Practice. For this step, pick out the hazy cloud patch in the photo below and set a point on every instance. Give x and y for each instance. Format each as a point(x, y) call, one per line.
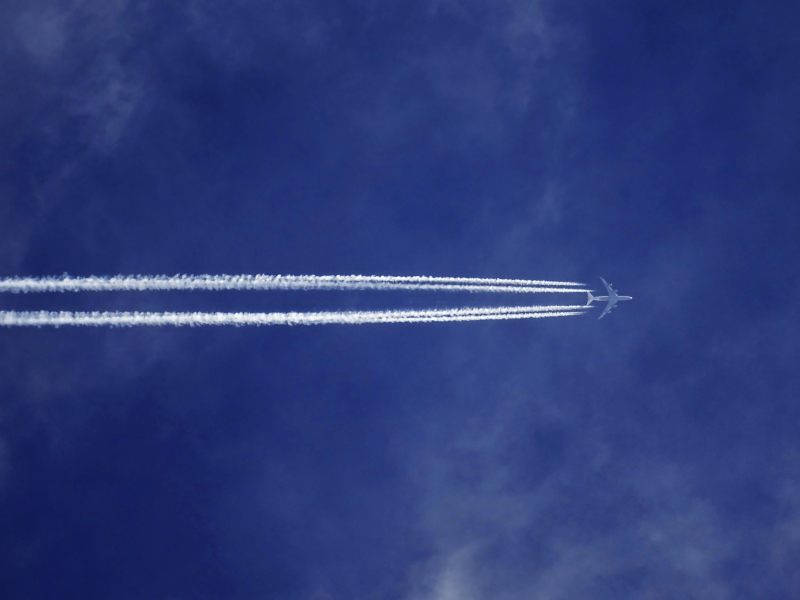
point(42, 34)
point(479, 89)
point(107, 100)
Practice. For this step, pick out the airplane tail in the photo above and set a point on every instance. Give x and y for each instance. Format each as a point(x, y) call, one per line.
point(590, 299)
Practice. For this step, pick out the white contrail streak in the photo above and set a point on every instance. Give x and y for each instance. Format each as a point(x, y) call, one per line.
point(435, 279)
point(198, 319)
point(282, 282)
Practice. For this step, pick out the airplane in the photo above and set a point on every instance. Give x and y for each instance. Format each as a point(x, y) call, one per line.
point(611, 299)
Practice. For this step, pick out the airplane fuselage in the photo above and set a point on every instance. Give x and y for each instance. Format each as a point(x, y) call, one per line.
point(616, 298)
point(606, 298)
point(613, 300)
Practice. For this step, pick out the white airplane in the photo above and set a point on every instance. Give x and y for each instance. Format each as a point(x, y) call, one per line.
point(611, 299)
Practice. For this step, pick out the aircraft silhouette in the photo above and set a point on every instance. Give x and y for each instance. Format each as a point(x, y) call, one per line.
point(611, 299)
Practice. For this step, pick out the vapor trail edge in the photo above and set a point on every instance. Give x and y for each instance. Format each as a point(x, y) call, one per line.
point(68, 283)
point(198, 319)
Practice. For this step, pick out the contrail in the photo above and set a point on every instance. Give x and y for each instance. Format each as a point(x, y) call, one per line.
point(448, 280)
point(198, 319)
point(283, 282)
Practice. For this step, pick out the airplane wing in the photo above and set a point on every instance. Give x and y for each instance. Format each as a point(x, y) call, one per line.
point(606, 310)
point(609, 289)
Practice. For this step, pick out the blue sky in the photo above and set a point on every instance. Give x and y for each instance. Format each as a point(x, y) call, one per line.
point(650, 454)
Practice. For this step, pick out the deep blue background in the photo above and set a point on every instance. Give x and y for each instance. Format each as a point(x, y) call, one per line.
point(652, 454)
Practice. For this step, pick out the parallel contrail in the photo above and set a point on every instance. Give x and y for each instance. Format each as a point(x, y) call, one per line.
point(198, 319)
point(283, 282)
point(435, 279)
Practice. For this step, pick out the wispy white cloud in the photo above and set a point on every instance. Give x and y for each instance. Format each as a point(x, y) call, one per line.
point(78, 48)
point(671, 544)
point(489, 82)
point(77, 86)
point(453, 579)
point(42, 33)
point(108, 99)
